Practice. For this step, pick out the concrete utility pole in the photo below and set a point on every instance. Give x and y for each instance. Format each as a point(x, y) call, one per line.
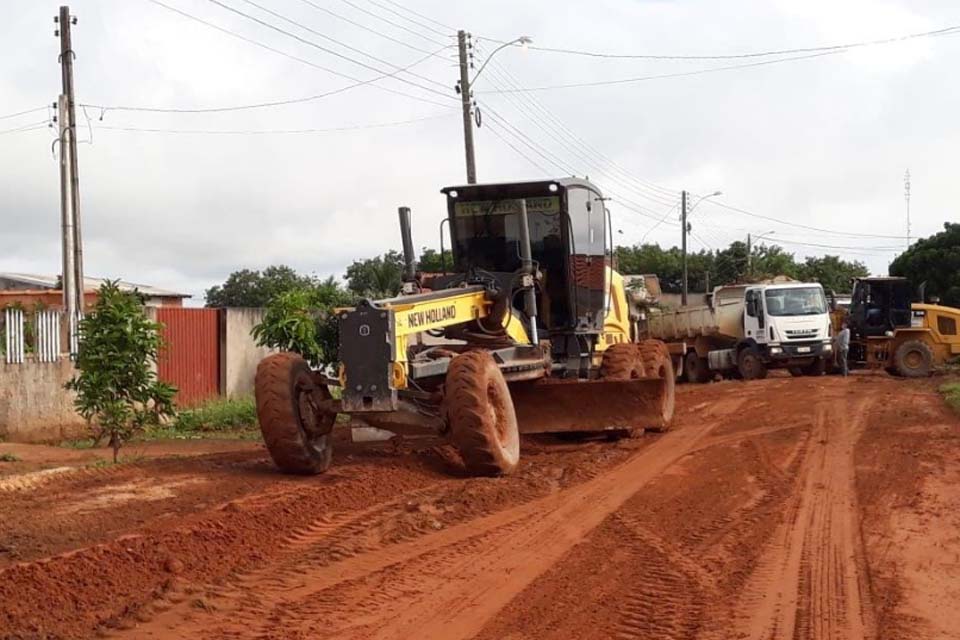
point(69, 268)
point(465, 99)
point(683, 245)
point(69, 179)
point(749, 258)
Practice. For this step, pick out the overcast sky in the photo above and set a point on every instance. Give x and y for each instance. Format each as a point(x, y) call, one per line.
point(822, 142)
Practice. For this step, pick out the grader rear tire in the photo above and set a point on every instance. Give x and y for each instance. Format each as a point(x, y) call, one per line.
point(657, 364)
point(479, 409)
point(296, 436)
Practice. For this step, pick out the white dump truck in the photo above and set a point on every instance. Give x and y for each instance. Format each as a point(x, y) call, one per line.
point(746, 329)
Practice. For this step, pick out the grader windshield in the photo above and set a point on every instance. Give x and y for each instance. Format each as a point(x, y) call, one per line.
point(568, 238)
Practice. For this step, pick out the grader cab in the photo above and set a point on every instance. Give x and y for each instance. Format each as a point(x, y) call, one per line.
point(529, 332)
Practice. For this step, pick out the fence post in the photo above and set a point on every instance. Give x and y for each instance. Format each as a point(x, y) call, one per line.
point(48, 336)
point(13, 320)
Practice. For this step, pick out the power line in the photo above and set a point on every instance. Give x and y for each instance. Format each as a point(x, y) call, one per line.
point(43, 124)
point(391, 22)
point(23, 113)
point(562, 134)
point(525, 140)
point(755, 54)
point(410, 20)
point(360, 25)
point(343, 44)
point(831, 246)
point(420, 15)
point(378, 125)
point(802, 226)
point(663, 76)
point(258, 105)
point(321, 47)
point(493, 130)
point(310, 63)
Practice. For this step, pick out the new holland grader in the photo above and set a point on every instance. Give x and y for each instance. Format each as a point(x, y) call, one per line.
point(530, 332)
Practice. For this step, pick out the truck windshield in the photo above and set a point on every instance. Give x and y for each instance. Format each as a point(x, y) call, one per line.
point(796, 301)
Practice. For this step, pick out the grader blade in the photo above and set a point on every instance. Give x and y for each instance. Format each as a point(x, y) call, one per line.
point(597, 405)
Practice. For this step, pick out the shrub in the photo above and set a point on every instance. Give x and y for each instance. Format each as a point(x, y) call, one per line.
point(118, 392)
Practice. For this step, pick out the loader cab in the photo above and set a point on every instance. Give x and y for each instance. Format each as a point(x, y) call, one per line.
point(879, 305)
point(569, 237)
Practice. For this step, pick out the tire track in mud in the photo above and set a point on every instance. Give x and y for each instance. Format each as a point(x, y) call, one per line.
point(443, 584)
point(810, 583)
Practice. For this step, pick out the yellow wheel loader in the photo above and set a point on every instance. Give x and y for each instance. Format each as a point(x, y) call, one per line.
point(529, 332)
point(887, 330)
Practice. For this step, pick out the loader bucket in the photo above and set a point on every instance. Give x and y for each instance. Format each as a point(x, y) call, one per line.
point(547, 405)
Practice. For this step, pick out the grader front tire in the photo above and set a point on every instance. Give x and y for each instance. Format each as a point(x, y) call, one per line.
point(296, 437)
point(483, 423)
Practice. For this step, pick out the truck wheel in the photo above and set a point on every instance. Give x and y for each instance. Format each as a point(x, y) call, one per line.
point(657, 364)
point(296, 435)
point(750, 364)
point(483, 424)
point(914, 359)
point(816, 368)
point(697, 368)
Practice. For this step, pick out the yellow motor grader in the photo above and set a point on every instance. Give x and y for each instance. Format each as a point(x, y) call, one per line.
point(529, 332)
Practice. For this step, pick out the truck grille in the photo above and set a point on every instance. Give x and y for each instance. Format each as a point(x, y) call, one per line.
point(801, 334)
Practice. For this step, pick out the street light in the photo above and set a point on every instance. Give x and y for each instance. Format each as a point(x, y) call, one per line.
point(523, 41)
point(685, 229)
point(464, 88)
point(702, 198)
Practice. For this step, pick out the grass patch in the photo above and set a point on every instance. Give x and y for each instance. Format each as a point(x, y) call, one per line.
point(82, 443)
point(951, 393)
point(9, 457)
point(218, 415)
point(172, 433)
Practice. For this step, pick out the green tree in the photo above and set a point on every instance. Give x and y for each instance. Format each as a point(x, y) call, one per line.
point(248, 288)
point(936, 261)
point(430, 261)
point(376, 278)
point(834, 273)
point(301, 321)
point(117, 389)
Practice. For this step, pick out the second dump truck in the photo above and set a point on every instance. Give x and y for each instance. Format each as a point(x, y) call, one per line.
point(744, 330)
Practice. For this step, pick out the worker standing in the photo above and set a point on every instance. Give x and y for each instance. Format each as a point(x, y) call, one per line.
point(843, 347)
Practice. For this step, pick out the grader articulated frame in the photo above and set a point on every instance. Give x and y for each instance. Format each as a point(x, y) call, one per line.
point(529, 333)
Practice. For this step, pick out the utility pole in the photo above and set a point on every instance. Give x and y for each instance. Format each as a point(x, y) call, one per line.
point(465, 99)
point(749, 258)
point(68, 280)
point(683, 245)
point(69, 180)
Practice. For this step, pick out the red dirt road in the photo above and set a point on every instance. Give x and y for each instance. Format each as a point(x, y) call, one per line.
point(788, 508)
